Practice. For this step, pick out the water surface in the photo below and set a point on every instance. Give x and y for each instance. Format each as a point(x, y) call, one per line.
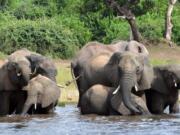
point(67, 121)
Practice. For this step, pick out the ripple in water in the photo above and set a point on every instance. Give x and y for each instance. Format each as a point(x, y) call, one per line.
point(67, 121)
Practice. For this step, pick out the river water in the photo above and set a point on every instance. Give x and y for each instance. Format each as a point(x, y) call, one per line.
point(68, 121)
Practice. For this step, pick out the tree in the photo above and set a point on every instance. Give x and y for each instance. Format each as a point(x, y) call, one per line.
point(168, 21)
point(126, 9)
point(126, 13)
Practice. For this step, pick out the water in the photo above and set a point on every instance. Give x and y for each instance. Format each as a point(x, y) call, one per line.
point(68, 121)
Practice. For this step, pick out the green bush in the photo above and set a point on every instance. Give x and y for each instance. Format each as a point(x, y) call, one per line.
point(48, 37)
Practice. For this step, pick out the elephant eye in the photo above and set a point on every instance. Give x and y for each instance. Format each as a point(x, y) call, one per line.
point(138, 70)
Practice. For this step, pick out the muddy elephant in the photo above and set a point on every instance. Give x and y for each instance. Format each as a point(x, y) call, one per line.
point(126, 71)
point(99, 99)
point(39, 64)
point(94, 48)
point(164, 90)
point(43, 91)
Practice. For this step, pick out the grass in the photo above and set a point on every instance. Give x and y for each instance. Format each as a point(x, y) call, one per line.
point(69, 94)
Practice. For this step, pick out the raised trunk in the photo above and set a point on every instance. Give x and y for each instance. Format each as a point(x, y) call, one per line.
point(168, 24)
point(127, 84)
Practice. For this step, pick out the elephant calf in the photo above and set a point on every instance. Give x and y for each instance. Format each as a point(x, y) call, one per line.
point(99, 99)
point(164, 91)
point(41, 90)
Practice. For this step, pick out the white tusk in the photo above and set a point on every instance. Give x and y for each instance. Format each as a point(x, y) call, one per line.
point(136, 89)
point(35, 106)
point(18, 74)
point(116, 90)
point(175, 84)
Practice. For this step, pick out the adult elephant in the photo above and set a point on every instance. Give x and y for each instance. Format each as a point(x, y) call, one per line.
point(94, 48)
point(39, 64)
point(164, 90)
point(13, 77)
point(99, 99)
point(15, 74)
point(126, 71)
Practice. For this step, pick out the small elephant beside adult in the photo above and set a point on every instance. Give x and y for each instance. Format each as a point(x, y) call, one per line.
point(19, 68)
point(94, 48)
point(41, 91)
point(99, 99)
point(125, 71)
point(164, 90)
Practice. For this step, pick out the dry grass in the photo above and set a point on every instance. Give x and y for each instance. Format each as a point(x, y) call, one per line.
point(69, 94)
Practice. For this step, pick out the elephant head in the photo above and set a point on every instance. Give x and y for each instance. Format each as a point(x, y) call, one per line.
point(42, 65)
point(19, 71)
point(41, 90)
point(136, 47)
point(133, 72)
point(166, 78)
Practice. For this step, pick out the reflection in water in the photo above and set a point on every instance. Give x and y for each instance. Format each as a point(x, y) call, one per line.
point(67, 120)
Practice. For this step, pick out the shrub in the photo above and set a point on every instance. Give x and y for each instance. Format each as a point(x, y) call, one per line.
point(47, 36)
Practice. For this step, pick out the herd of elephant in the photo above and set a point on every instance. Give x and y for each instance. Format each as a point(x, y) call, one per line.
point(28, 84)
point(115, 79)
point(118, 79)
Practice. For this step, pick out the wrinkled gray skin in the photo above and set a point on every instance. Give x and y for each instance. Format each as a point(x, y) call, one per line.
point(99, 99)
point(94, 48)
point(164, 90)
point(126, 70)
point(41, 90)
point(39, 64)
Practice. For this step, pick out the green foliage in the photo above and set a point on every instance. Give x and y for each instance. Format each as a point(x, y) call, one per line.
point(59, 27)
point(43, 36)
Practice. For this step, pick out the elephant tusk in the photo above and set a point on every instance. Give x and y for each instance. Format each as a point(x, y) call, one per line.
point(18, 74)
point(34, 72)
point(35, 106)
point(136, 89)
point(61, 86)
point(116, 90)
point(175, 84)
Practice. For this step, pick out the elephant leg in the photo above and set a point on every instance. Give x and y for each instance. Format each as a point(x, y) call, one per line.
point(82, 90)
point(174, 108)
point(4, 103)
point(155, 102)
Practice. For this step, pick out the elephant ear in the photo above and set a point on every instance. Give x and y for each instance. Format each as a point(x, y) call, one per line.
point(34, 60)
point(49, 96)
point(115, 58)
point(160, 81)
point(147, 73)
point(137, 47)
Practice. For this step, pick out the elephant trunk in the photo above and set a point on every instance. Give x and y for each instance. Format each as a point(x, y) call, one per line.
point(127, 83)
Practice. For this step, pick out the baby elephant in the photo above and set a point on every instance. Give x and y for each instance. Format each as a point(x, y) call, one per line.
point(102, 100)
point(41, 90)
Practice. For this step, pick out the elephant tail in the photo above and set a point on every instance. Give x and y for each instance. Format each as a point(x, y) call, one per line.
point(75, 75)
